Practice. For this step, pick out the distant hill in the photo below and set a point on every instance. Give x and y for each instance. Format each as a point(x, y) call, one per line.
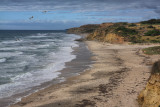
point(142, 32)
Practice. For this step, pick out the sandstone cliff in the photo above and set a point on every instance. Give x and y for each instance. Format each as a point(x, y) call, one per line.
point(142, 32)
point(113, 33)
point(150, 96)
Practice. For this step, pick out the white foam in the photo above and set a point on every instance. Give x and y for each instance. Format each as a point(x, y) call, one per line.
point(11, 41)
point(51, 63)
point(21, 77)
point(9, 54)
point(17, 48)
point(39, 35)
point(28, 58)
point(2, 60)
point(42, 46)
point(14, 65)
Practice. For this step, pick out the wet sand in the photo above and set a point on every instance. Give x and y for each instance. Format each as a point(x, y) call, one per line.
point(118, 74)
point(75, 67)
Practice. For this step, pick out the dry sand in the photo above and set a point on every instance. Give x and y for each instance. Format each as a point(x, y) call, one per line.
point(119, 73)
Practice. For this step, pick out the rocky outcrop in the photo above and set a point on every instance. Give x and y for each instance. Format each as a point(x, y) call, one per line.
point(150, 96)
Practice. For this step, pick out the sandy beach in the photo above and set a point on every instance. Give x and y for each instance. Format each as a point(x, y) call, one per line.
point(119, 73)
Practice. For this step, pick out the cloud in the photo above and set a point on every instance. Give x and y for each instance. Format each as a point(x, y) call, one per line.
point(78, 12)
point(77, 5)
point(113, 7)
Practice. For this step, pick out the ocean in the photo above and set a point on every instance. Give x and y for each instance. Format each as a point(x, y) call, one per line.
point(30, 58)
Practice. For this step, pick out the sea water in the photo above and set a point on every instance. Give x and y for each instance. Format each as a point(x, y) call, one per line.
point(30, 58)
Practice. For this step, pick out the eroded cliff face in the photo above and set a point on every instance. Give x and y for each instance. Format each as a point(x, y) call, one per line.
point(98, 34)
point(114, 38)
point(150, 96)
point(122, 31)
point(107, 33)
point(104, 32)
point(101, 35)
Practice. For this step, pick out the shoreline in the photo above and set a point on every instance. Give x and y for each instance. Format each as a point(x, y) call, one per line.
point(114, 75)
point(64, 74)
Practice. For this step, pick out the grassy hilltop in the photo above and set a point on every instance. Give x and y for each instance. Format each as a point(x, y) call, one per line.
point(142, 32)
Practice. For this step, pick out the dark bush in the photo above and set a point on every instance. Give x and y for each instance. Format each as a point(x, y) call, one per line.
point(132, 25)
point(151, 21)
point(135, 39)
point(155, 41)
point(152, 33)
point(148, 39)
point(150, 26)
point(123, 31)
point(152, 50)
point(124, 23)
point(156, 67)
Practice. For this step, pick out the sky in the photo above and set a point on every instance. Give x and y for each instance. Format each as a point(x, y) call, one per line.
point(64, 14)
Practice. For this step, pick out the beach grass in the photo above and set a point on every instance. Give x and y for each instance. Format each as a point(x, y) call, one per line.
point(152, 50)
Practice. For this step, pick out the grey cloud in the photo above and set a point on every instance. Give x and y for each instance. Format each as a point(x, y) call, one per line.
point(77, 5)
point(95, 9)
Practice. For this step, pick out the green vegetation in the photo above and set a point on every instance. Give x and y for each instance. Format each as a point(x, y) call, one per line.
point(142, 32)
point(151, 21)
point(150, 39)
point(152, 33)
point(123, 23)
point(136, 39)
point(155, 41)
point(152, 50)
point(150, 26)
point(132, 25)
point(123, 31)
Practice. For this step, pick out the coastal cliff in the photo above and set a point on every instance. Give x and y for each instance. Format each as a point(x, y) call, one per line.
point(150, 96)
point(112, 33)
point(142, 32)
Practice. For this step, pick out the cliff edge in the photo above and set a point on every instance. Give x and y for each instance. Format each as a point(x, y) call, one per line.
point(141, 32)
point(150, 96)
